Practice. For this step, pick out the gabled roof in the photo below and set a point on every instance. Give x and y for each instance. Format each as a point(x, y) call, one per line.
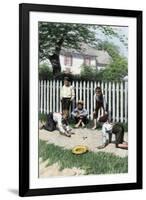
point(86, 50)
point(103, 57)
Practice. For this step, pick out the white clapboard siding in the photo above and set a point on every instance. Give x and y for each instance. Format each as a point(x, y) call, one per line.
point(116, 95)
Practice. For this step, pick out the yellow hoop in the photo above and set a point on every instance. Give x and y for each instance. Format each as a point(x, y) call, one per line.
point(80, 149)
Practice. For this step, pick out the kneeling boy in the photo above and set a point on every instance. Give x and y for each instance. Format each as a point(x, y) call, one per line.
point(117, 129)
point(58, 121)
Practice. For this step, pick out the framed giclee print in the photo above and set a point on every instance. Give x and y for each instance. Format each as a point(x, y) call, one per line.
point(80, 100)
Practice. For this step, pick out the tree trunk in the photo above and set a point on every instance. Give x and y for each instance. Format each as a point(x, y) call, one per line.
point(55, 61)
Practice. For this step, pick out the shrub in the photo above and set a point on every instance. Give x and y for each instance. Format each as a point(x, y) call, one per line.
point(45, 72)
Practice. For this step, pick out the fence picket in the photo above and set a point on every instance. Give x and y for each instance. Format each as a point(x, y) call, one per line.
point(92, 103)
point(51, 96)
point(47, 97)
point(109, 100)
point(121, 99)
point(126, 101)
point(117, 102)
point(41, 96)
point(57, 96)
point(54, 102)
point(39, 100)
point(44, 97)
point(77, 94)
point(84, 94)
point(88, 96)
point(113, 103)
point(80, 88)
point(105, 92)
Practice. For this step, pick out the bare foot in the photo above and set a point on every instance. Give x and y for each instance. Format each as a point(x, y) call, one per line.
point(77, 125)
point(101, 147)
point(83, 125)
point(94, 127)
point(68, 134)
point(72, 133)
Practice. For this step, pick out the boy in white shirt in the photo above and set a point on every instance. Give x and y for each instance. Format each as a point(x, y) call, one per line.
point(59, 121)
point(67, 95)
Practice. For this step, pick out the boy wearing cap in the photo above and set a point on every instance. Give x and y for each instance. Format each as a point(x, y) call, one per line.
point(67, 95)
point(80, 114)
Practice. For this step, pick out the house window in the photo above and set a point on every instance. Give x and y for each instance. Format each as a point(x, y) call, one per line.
point(87, 61)
point(68, 60)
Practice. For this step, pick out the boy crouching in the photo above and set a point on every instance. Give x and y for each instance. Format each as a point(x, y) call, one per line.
point(58, 121)
point(118, 130)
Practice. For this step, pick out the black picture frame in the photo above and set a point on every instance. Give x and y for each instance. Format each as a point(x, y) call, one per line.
point(24, 10)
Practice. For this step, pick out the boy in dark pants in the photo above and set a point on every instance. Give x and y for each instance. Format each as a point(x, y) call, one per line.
point(67, 95)
point(99, 107)
point(57, 121)
point(118, 130)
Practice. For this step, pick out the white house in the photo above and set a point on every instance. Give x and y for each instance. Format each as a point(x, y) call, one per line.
point(71, 60)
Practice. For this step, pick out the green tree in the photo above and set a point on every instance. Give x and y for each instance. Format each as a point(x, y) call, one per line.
point(55, 36)
point(111, 48)
point(87, 72)
point(118, 68)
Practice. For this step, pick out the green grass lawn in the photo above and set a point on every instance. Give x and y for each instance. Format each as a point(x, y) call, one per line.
point(92, 163)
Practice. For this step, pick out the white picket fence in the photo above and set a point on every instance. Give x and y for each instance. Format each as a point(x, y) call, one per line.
point(116, 95)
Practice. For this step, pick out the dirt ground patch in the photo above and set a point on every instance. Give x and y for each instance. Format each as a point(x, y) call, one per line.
point(91, 138)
